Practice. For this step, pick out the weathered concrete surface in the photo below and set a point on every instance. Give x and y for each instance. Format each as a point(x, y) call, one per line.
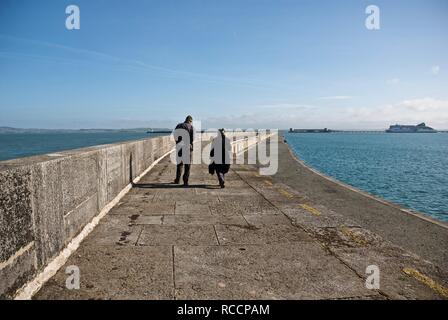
point(45, 201)
point(16, 230)
point(256, 239)
point(15, 197)
point(48, 212)
point(139, 275)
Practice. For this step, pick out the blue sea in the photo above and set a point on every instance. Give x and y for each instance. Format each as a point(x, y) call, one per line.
point(18, 145)
point(408, 169)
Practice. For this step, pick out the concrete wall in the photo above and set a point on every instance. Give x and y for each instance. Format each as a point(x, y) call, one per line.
point(46, 200)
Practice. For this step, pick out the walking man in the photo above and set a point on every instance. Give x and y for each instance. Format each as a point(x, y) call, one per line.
point(184, 136)
point(220, 156)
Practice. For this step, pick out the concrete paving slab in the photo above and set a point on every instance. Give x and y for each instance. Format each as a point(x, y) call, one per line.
point(115, 230)
point(266, 219)
point(191, 208)
point(285, 271)
point(242, 205)
point(315, 216)
point(203, 220)
point(153, 208)
point(392, 263)
point(149, 193)
point(179, 193)
point(215, 190)
point(260, 234)
point(153, 235)
point(348, 237)
point(132, 198)
point(200, 199)
point(115, 272)
point(139, 219)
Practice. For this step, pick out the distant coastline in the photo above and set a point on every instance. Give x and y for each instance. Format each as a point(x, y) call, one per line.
point(18, 143)
point(11, 130)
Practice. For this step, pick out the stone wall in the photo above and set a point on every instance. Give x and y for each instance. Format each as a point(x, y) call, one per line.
point(45, 201)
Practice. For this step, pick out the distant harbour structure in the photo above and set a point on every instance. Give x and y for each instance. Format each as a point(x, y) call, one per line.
point(158, 131)
point(397, 128)
point(324, 130)
point(420, 128)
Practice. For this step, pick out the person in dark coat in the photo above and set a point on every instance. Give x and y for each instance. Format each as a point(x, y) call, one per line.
point(188, 127)
point(220, 156)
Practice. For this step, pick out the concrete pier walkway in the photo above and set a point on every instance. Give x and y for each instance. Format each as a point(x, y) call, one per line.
point(258, 238)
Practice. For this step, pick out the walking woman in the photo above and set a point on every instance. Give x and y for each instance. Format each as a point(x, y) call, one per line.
point(220, 156)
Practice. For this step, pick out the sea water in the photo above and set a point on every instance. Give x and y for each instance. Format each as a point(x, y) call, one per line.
point(18, 145)
point(408, 169)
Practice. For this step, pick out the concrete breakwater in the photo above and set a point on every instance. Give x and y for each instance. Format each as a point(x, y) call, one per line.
point(291, 235)
point(46, 201)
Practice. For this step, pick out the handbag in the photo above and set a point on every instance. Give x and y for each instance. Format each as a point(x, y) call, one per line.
point(211, 168)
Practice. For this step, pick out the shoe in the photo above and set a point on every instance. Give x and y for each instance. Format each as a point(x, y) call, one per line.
point(222, 185)
point(176, 181)
point(185, 183)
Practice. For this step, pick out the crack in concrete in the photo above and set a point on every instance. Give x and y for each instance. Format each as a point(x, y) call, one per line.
point(313, 236)
point(174, 274)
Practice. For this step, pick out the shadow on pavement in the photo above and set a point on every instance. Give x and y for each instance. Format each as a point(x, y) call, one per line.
point(172, 186)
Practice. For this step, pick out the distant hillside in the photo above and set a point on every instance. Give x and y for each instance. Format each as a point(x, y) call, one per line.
point(35, 130)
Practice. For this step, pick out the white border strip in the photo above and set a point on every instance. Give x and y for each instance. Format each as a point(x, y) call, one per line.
point(32, 287)
point(16, 255)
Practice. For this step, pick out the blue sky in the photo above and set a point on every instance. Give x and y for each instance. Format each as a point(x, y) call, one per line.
point(245, 63)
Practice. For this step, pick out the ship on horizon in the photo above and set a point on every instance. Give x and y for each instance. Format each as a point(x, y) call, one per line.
point(158, 131)
point(420, 128)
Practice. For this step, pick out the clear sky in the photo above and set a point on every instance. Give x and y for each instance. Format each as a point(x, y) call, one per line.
point(232, 63)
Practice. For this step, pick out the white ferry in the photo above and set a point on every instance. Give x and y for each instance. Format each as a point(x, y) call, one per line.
point(420, 128)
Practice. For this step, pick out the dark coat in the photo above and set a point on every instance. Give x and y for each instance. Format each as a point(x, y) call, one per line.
point(220, 160)
point(178, 138)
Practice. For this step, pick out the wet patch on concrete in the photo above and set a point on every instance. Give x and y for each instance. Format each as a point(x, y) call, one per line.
point(350, 237)
point(114, 230)
point(142, 220)
point(315, 216)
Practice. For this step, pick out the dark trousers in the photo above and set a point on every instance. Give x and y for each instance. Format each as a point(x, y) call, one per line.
point(220, 177)
point(186, 172)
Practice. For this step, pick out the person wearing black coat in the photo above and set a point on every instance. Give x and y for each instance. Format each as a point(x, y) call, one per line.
point(188, 127)
point(220, 156)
